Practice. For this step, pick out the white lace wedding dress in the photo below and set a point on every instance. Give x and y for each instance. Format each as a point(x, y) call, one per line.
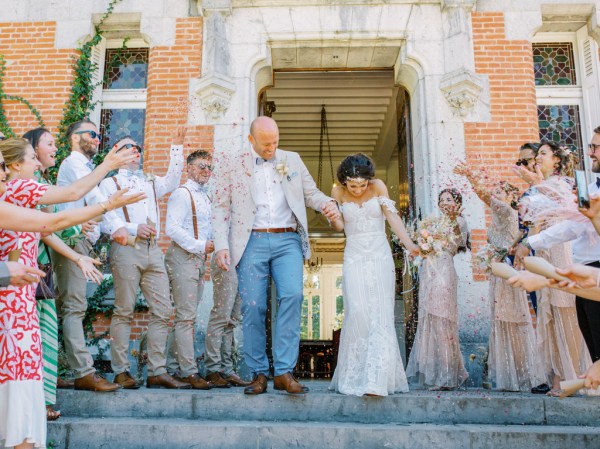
point(369, 359)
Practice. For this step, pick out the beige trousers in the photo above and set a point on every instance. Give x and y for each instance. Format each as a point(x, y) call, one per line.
point(224, 316)
point(71, 303)
point(141, 267)
point(186, 274)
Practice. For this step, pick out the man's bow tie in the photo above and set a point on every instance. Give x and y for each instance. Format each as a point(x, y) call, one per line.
point(260, 161)
point(203, 188)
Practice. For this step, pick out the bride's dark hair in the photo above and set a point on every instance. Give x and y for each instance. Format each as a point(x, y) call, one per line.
point(358, 165)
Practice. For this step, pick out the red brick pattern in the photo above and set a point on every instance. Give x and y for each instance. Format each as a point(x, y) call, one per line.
point(509, 66)
point(36, 71)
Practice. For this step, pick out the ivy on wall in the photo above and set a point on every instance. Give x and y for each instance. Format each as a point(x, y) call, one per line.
point(80, 102)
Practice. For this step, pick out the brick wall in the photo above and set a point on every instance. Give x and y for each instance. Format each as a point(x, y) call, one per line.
point(36, 71)
point(509, 65)
point(42, 74)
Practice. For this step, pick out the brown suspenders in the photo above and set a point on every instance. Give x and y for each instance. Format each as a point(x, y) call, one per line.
point(125, 212)
point(194, 219)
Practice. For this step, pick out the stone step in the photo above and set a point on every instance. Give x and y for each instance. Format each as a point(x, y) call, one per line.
point(159, 433)
point(320, 405)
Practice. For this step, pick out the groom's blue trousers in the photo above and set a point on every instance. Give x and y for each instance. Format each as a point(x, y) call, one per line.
point(281, 256)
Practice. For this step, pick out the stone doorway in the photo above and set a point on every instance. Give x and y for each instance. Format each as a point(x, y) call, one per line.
point(366, 112)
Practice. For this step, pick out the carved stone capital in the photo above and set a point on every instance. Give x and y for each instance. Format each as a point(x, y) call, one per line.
point(462, 89)
point(214, 92)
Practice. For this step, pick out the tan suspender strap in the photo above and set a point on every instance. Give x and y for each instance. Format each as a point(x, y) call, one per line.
point(114, 178)
point(194, 219)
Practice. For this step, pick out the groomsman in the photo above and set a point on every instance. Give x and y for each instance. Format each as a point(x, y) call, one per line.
point(84, 140)
point(188, 225)
point(141, 265)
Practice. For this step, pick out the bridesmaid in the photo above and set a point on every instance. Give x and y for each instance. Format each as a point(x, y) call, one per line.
point(561, 346)
point(512, 356)
point(436, 361)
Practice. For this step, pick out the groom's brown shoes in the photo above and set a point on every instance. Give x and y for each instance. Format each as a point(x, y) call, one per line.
point(288, 383)
point(257, 386)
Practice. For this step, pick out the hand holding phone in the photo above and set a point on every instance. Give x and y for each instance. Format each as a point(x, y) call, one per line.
point(583, 196)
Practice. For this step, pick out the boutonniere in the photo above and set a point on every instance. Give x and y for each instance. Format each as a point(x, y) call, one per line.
point(292, 175)
point(282, 168)
point(150, 177)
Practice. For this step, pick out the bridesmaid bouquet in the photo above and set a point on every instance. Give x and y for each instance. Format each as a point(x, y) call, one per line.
point(434, 235)
point(488, 254)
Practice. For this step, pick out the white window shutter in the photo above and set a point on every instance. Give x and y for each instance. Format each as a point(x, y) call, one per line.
point(589, 76)
point(98, 57)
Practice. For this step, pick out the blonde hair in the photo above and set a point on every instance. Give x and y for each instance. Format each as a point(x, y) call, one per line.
point(13, 150)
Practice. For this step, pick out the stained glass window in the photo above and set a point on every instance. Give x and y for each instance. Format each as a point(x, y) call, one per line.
point(554, 64)
point(117, 123)
point(561, 124)
point(126, 68)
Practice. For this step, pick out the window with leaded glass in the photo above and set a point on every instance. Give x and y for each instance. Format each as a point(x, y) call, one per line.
point(559, 95)
point(554, 64)
point(126, 68)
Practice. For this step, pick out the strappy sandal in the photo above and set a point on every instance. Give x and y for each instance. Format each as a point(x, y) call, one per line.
point(553, 393)
point(51, 414)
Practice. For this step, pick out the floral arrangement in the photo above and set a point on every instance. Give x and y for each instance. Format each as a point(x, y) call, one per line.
point(434, 235)
point(339, 319)
point(282, 168)
point(488, 254)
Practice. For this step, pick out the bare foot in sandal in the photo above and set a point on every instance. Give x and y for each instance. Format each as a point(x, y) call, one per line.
point(51, 414)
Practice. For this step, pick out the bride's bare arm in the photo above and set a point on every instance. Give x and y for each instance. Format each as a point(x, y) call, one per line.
point(338, 224)
point(391, 214)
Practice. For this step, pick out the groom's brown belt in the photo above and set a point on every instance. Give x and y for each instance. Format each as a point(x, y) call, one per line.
point(274, 230)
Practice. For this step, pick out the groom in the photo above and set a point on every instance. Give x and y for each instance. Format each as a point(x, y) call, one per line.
point(260, 228)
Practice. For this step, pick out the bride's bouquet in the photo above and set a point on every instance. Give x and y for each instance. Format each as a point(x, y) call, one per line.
point(434, 235)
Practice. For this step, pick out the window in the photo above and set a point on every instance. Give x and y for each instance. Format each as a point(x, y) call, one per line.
point(121, 90)
point(566, 80)
point(323, 301)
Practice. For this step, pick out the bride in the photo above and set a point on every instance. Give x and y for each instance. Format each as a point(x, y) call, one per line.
point(369, 361)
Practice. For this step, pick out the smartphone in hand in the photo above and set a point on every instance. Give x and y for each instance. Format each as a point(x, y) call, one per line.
point(583, 196)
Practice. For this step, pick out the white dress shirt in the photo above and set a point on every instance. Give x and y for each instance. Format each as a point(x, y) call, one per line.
point(180, 223)
point(585, 239)
point(74, 167)
point(272, 208)
point(137, 182)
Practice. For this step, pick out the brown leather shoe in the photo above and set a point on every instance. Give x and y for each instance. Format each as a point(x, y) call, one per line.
point(234, 380)
point(217, 380)
point(288, 383)
point(65, 384)
point(257, 386)
point(127, 381)
point(166, 381)
point(197, 382)
point(95, 382)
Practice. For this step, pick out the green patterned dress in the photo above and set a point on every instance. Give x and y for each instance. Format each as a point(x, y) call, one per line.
point(49, 328)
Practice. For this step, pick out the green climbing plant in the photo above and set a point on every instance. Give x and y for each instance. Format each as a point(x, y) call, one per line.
point(80, 102)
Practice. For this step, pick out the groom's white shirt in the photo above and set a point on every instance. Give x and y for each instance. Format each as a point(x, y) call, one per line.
point(235, 202)
point(272, 208)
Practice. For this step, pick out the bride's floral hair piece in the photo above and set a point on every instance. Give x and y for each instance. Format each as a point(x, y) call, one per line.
point(356, 167)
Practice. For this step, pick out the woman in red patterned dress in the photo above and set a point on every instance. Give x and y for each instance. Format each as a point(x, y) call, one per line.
point(22, 406)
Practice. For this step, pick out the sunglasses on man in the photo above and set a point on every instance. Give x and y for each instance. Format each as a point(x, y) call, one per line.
point(202, 166)
point(3, 166)
point(524, 161)
point(131, 145)
point(593, 147)
point(93, 134)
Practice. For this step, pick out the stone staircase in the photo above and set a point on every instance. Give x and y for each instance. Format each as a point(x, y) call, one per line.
point(227, 419)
